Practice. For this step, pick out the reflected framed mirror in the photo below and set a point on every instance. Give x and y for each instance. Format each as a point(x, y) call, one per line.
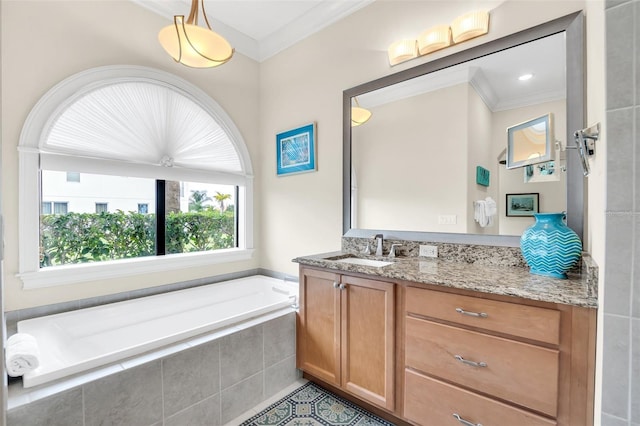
point(410, 170)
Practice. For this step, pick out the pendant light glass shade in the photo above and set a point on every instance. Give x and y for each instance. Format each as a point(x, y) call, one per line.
point(359, 115)
point(470, 25)
point(434, 39)
point(192, 45)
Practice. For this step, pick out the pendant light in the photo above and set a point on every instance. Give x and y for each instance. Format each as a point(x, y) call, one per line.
point(359, 115)
point(192, 45)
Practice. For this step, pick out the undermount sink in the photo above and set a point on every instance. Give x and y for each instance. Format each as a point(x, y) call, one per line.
point(365, 262)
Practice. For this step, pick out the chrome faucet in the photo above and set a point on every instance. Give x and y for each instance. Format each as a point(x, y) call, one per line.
point(379, 237)
point(392, 251)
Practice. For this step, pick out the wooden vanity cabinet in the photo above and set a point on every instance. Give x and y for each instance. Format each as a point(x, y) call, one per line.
point(486, 361)
point(346, 334)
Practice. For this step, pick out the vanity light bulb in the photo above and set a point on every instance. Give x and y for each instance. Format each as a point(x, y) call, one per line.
point(402, 50)
point(434, 39)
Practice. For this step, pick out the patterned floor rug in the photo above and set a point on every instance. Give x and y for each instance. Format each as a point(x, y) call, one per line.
point(310, 405)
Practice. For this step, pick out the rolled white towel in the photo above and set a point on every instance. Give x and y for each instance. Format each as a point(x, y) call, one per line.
point(22, 354)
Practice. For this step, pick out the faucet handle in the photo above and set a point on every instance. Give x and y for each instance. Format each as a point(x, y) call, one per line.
point(392, 251)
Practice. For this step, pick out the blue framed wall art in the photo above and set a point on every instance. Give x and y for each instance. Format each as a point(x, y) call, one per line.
point(296, 150)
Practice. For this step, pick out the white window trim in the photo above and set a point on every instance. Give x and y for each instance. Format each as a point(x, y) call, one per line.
point(33, 137)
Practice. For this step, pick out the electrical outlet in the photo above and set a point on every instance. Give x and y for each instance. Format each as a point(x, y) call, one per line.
point(428, 251)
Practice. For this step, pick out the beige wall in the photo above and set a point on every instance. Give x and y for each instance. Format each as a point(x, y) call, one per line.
point(44, 42)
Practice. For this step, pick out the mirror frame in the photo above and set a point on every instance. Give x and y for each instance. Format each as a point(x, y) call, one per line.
point(573, 26)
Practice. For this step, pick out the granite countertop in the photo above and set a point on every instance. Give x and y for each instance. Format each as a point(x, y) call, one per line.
point(578, 290)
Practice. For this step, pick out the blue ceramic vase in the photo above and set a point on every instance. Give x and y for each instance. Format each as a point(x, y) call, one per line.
point(549, 246)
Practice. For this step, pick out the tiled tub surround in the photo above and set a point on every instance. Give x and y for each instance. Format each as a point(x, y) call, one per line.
point(208, 380)
point(76, 341)
point(490, 273)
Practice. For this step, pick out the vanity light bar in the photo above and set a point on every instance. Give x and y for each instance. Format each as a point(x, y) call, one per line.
point(463, 28)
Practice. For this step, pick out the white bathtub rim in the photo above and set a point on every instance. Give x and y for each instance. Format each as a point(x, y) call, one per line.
point(18, 395)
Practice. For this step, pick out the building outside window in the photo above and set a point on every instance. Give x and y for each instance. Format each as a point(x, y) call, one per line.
point(60, 208)
point(143, 208)
point(102, 207)
point(46, 207)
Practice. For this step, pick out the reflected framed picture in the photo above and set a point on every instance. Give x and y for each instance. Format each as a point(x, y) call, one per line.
point(522, 204)
point(296, 150)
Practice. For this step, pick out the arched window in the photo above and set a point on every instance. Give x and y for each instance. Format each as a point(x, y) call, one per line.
point(126, 170)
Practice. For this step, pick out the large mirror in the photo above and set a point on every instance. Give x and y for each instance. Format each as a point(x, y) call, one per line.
point(432, 158)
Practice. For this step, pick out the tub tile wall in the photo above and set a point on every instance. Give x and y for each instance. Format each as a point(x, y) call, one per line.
point(242, 396)
point(62, 409)
point(190, 376)
point(182, 388)
point(241, 355)
point(133, 397)
point(279, 340)
point(206, 412)
point(280, 375)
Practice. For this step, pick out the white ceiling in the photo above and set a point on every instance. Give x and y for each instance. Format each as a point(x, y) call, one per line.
point(261, 28)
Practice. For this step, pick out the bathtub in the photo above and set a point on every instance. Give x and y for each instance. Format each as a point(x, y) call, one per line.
point(76, 341)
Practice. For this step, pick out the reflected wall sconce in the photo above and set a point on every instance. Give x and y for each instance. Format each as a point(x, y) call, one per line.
point(434, 39)
point(401, 51)
point(359, 115)
point(463, 28)
point(192, 45)
point(469, 26)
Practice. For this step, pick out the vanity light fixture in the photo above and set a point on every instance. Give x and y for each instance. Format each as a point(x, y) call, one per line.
point(401, 51)
point(359, 115)
point(433, 39)
point(525, 77)
point(470, 25)
point(192, 45)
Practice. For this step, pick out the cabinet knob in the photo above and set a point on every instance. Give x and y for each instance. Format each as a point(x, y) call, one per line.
point(465, 422)
point(336, 284)
point(342, 286)
point(472, 314)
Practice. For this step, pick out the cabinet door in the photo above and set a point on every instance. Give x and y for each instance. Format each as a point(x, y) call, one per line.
point(319, 325)
point(368, 340)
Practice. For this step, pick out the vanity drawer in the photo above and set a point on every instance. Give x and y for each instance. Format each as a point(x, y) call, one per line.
point(513, 371)
point(528, 322)
point(430, 402)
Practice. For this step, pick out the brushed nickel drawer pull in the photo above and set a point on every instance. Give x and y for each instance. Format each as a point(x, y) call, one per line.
point(471, 314)
point(465, 422)
point(335, 284)
point(471, 363)
point(342, 286)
